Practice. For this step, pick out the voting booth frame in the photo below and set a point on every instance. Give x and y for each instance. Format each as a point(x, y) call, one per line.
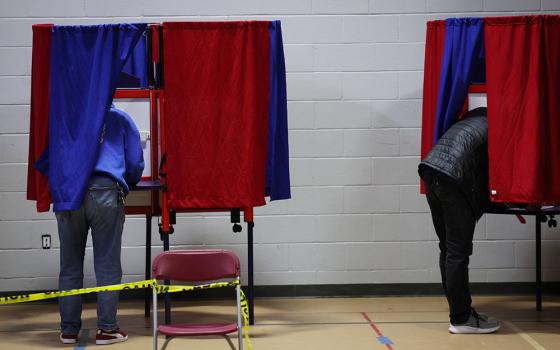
point(155, 183)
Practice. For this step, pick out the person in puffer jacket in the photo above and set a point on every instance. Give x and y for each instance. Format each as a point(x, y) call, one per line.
point(455, 174)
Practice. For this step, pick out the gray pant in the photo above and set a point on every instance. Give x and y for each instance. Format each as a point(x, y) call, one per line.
point(102, 210)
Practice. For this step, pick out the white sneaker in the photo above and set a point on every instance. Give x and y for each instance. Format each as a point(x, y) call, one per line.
point(476, 324)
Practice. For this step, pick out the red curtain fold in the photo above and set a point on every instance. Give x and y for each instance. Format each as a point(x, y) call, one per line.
point(155, 42)
point(523, 83)
point(37, 183)
point(435, 41)
point(217, 78)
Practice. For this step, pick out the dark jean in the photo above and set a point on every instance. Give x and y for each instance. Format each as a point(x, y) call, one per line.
point(103, 212)
point(454, 223)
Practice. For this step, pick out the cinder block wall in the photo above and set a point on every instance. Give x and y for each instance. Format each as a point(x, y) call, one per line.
point(354, 88)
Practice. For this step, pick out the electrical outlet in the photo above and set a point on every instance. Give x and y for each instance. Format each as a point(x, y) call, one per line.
point(46, 241)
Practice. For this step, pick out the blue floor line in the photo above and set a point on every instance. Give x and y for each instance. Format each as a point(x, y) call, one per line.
point(384, 340)
point(82, 340)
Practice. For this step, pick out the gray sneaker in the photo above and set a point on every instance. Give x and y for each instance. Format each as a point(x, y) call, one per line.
point(476, 324)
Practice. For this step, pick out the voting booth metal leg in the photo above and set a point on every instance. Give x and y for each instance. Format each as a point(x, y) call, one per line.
point(251, 293)
point(148, 272)
point(538, 244)
point(165, 237)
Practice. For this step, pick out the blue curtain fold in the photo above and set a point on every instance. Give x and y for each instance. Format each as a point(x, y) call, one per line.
point(463, 63)
point(85, 65)
point(135, 71)
point(277, 166)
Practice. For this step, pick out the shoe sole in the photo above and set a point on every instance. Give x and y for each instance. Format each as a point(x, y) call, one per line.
point(472, 330)
point(68, 341)
point(111, 341)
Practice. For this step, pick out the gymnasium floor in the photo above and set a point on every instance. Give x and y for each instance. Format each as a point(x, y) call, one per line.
point(308, 324)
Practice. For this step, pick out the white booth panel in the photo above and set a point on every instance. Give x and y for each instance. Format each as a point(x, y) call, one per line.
point(477, 100)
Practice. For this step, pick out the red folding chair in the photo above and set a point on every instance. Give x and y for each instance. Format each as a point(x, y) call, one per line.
point(197, 266)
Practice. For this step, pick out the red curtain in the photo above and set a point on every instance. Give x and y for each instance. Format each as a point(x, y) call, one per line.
point(37, 183)
point(217, 79)
point(523, 83)
point(435, 41)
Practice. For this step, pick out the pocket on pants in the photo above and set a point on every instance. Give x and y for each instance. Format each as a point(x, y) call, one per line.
point(105, 198)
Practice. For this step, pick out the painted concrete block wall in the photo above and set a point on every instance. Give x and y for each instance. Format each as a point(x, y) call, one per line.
point(355, 87)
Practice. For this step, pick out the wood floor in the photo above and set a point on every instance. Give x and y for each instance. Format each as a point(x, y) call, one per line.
point(307, 324)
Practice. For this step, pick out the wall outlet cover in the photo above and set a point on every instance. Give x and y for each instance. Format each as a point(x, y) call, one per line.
point(46, 241)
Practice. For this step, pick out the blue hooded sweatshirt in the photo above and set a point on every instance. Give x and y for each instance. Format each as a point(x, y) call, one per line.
point(120, 149)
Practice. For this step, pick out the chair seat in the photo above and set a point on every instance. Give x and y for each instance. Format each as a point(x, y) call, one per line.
point(186, 329)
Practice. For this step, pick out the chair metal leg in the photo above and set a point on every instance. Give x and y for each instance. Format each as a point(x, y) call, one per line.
point(229, 342)
point(167, 340)
point(239, 322)
point(154, 302)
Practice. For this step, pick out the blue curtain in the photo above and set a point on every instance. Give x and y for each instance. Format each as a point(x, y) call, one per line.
point(85, 65)
point(135, 71)
point(463, 63)
point(277, 166)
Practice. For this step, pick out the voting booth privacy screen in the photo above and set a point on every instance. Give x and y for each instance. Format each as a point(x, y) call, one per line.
point(518, 59)
point(218, 91)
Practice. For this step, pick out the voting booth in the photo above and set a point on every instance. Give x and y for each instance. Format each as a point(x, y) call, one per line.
point(209, 100)
point(512, 66)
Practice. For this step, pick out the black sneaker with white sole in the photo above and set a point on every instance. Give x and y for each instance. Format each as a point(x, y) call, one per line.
point(476, 324)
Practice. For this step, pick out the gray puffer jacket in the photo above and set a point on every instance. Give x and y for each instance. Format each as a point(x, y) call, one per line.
point(461, 158)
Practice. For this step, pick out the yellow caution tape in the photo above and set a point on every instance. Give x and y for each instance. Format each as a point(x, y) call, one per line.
point(164, 288)
point(23, 298)
point(245, 312)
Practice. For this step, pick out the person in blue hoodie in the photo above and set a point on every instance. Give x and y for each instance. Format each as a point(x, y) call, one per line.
point(119, 164)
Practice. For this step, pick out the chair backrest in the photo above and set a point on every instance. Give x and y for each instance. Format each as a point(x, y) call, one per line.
point(195, 265)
